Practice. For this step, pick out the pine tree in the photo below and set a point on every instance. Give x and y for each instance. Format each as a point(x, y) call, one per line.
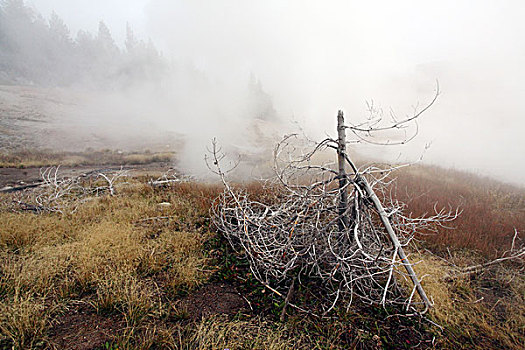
point(105, 40)
point(131, 42)
point(58, 29)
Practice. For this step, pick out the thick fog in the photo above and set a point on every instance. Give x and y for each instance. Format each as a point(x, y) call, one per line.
point(303, 60)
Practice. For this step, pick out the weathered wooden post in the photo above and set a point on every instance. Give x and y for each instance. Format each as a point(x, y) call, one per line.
point(343, 223)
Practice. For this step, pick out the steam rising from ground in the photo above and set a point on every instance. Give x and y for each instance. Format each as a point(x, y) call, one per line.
point(314, 58)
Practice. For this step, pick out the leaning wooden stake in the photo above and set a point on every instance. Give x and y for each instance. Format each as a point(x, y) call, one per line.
point(362, 182)
point(287, 300)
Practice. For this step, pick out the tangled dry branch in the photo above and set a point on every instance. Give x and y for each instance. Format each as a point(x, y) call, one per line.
point(58, 193)
point(301, 234)
point(297, 234)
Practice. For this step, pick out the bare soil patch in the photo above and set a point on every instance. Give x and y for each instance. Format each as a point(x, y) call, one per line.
point(213, 299)
point(81, 328)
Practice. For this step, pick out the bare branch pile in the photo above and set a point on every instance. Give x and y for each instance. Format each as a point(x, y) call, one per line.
point(297, 233)
point(341, 235)
point(58, 193)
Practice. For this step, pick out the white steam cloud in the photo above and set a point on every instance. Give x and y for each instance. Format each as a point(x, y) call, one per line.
point(315, 57)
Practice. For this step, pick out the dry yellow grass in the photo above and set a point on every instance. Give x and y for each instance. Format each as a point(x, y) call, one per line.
point(473, 317)
point(103, 250)
point(41, 158)
point(24, 321)
point(221, 333)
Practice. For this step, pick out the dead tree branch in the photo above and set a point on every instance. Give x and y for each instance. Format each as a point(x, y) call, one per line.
point(513, 254)
point(58, 193)
point(312, 233)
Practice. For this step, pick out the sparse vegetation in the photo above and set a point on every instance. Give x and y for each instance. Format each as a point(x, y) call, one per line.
point(39, 158)
point(128, 272)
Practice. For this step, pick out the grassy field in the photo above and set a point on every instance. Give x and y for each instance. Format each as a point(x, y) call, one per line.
point(145, 269)
point(42, 158)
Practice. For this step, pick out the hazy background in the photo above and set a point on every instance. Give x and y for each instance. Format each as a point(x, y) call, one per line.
point(307, 59)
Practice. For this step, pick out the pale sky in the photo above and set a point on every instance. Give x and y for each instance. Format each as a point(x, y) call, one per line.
point(315, 57)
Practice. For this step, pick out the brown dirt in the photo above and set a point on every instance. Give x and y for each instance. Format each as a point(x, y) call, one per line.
point(212, 299)
point(81, 328)
point(15, 177)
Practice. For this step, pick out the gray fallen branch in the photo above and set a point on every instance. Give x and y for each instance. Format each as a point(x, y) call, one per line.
point(476, 268)
point(511, 255)
point(169, 177)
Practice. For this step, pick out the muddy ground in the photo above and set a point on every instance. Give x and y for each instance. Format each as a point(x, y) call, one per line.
point(18, 177)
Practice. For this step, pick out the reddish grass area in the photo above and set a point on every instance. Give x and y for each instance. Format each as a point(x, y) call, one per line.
point(491, 210)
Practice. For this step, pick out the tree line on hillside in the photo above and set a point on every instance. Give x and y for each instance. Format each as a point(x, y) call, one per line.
point(43, 52)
